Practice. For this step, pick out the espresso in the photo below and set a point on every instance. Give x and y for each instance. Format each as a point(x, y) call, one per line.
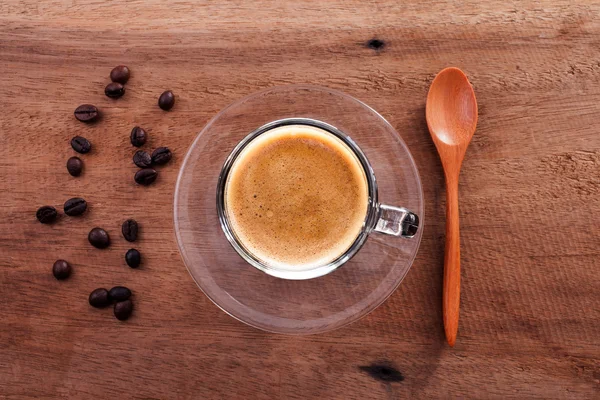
point(296, 197)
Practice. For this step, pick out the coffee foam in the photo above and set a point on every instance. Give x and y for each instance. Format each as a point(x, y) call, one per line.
point(296, 197)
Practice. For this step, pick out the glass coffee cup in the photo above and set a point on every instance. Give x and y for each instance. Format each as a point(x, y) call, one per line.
point(378, 218)
point(305, 306)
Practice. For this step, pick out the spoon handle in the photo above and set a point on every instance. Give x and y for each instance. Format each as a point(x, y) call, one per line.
point(451, 295)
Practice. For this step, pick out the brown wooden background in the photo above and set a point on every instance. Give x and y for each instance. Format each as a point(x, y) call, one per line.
point(530, 197)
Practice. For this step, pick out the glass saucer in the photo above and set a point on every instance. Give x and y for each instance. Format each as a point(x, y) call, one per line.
point(294, 306)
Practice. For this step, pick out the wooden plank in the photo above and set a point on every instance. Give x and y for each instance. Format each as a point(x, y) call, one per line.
point(530, 185)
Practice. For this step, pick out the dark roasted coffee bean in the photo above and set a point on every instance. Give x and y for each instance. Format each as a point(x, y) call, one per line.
point(129, 229)
point(74, 166)
point(162, 155)
point(75, 206)
point(87, 113)
point(81, 144)
point(99, 298)
point(61, 269)
point(145, 176)
point(133, 258)
point(142, 159)
point(99, 238)
point(119, 293)
point(138, 136)
point(123, 309)
point(46, 214)
point(114, 90)
point(120, 74)
point(166, 101)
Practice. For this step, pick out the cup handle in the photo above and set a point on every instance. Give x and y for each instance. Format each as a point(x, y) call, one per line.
point(396, 221)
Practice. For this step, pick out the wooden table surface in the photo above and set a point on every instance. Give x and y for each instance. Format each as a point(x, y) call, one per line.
point(529, 191)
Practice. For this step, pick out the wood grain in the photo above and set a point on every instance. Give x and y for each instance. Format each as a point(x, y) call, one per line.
point(530, 184)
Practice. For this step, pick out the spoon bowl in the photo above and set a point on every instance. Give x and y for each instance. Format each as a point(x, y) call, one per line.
point(451, 114)
point(451, 109)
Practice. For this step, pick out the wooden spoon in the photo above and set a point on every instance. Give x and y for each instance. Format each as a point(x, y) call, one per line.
point(451, 114)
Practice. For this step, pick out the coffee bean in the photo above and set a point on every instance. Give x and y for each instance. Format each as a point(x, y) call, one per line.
point(162, 155)
point(74, 166)
point(81, 144)
point(75, 206)
point(166, 101)
point(99, 238)
point(61, 269)
point(114, 90)
point(120, 74)
point(123, 309)
point(99, 298)
point(145, 176)
point(46, 214)
point(133, 258)
point(138, 136)
point(129, 229)
point(87, 113)
point(119, 293)
point(142, 159)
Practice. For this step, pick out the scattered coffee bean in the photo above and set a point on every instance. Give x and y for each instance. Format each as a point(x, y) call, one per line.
point(99, 238)
point(87, 113)
point(46, 214)
point(119, 293)
point(133, 258)
point(123, 309)
point(61, 269)
point(120, 74)
point(75, 206)
point(138, 136)
point(145, 176)
point(142, 159)
point(162, 155)
point(114, 90)
point(166, 101)
point(99, 298)
point(129, 229)
point(81, 144)
point(74, 166)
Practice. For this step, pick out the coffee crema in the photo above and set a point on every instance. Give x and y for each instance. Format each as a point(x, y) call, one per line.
point(296, 197)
